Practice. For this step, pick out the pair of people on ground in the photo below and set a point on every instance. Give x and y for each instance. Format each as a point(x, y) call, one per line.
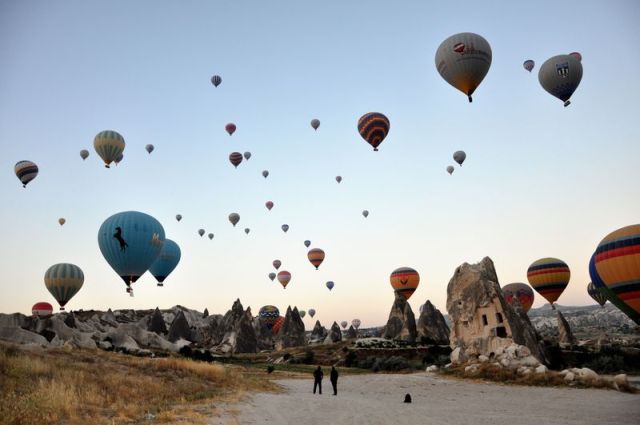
point(317, 380)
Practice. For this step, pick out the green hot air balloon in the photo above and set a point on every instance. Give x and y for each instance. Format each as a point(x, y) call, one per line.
point(63, 281)
point(109, 145)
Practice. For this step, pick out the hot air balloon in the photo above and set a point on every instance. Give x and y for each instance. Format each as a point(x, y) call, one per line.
point(235, 158)
point(459, 157)
point(166, 262)
point(201, 232)
point(277, 264)
point(344, 324)
point(597, 296)
point(118, 159)
point(269, 205)
point(216, 80)
point(365, 213)
point(404, 281)
point(315, 123)
point(307, 243)
point(247, 230)
point(284, 277)
point(549, 277)
point(42, 309)
point(330, 285)
point(130, 241)
point(576, 55)
point(61, 221)
point(463, 60)
point(316, 257)
point(247, 155)
point(268, 315)
point(234, 218)
point(529, 65)
point(520, 291)
point(277, 325)
point(149, 148)
point(285, 227)
point(374, 127)
point(356, 323)
point(63, 281)
point(450, 169)
point(231, 128)
point(26, 171)
point(265, 174)
point(617, 268)
point(302, 314)
point(109, 145)
point(312, 312)
point(272, 276)
point(178, 217)
point(84, 154)
point(338, 179)
point(210, 236)
point(560, 76)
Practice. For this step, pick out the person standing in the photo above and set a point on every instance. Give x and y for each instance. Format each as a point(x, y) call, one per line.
point(334, 380)
point(317, 379)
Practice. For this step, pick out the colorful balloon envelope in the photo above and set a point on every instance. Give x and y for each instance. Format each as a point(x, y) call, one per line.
point(109, 145)
point(338, 179)
point(307, 243)
point(269, 315)
point(178, 217)
point(166, 262)
point(61, 221)
point(463, 60)
point(404, 281)
point(42, 309)
point(272, 276)
point(450, 169)
point(269, 205)
point(285, 228)
point(210, 236)
point(235, 158)
point(560, 76)
point(84, 154)
point(459, 157)
point(277, 264)
point(312, 312)
point(344, 324)
point(63, 281)
point(265, 174)
point(316, 257)
point(247, 155)
point(609, 294)
point(26, 171)
point(521, 292)
point(201, 232)
point(374, 127)
point(277, 325)
point(216, 80)
point(284, 277)
point(315, 123)
point(230, 128)
point(356, 323)
point(234, 218)
point(597, 295)
point(549, 277)
point(330, 285)
point(529, 65)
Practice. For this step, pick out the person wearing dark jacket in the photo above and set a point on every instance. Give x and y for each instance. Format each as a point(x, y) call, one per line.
point(317, 379)
point(334, 380)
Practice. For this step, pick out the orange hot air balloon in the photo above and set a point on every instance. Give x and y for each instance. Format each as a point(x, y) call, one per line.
point(316, 257)
point(549, 277)
point(404, 281)
point(277, 325)
point(284, 277)
point(373, 127)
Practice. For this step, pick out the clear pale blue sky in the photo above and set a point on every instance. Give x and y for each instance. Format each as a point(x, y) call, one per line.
point(539, 180)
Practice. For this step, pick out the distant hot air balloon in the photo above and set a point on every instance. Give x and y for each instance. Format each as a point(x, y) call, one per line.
point(247, 230)
point(316, 257)
point(404, 281)
point(302, 313)
point(61, 221)
point(549, 277)
point(529, 65)
point(265, 174)
point(284, 277)
point(285, 227)
point(276, 264)
point(84, 154)
point(597, 296)
point(201, 232)
point(247, 155)
point(576, 55)
point(166, 262)
point(374, 127)
point(109, 145)
point(178, 217)
point(272, 276)
point(344, 324)
point(231, 128)
point(130, 241)
point(268, 315)
point(277, 325)
point(42, 309)
point(365, 213)
point(312, 312)
point(330, 285)
point(210, 236)
point(234, 218)
point(459, 157)
point(356, 323)
point(338, 179)
point(450, 169)
point(560, 76)
point(269, 205)
point(463, 60)
point(149, 148)
point(235, 158)
point(63, 281)
point(307, 243)
point(26, 171)
point(520, 291)
point(315, 123)
point(118, 159)
point(216, 80)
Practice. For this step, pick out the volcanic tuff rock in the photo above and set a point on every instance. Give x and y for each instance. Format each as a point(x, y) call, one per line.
point(205, 314)
point(352, 333)
point(179, 328)
point(157, 323)
point(565, 336)
point(237, 329)
point(431, 327)
point(292, 332)
point(335, 334)
point(402, 323)
point(319, 334)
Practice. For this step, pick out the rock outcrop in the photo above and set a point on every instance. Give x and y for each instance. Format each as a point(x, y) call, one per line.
point(401, 324)
point(179, 328)
point(318, 334)
point(565, 336)
point(205, 314)
point(335, 334)
point(352, 333)
point(157, 324)
point(431, 327)
point(237, 327)
point(292, 333)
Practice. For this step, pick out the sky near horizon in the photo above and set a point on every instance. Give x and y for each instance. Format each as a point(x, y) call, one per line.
point(539, 180)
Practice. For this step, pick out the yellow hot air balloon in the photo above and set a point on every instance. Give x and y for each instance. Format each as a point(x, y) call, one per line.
point(549, 277)
point(404, 281)
point(109, 145)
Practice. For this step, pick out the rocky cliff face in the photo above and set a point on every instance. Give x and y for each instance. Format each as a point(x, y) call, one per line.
point(179, 328)
point(401, 324)
point(335, 334)
point(157, 323)
point(565, 336)
point(238, 332)
point(292, 332)
point(351, 333)
point(318, 334)
point(431, 327)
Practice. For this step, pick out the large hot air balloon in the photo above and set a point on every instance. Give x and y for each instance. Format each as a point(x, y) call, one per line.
point(315, 123)
point(459, 157)
point(520, 291)
point(63, 281)
point(330, 284)
point(272, 276)
point(365, 213)
point(265, 174)
point(529, 65)
point(26, 171)
point(277, 325)
point(109, 145)
point(201, 232)
point(269, 205)
point(149, 148)
point(42, 309)
point(560, 76)
point(307, 243)
point(268, 315)
point(374, 127)
point(277, 264)
point(576, 55)
point(247, 230)
point(344, 324)
point(285, 227)
point(302, 314)
point(61, 221)
point(549, 277)
point(450, 169)
point(597, 295)
point(166, 262)
point(316, 257)
point(235, 158)
point(178, 217)
point(247, 155)
point(130, 241)
point(463, 60)
point(234, 218)
point(284, 277)
point(617, 268)
point(230, 128)
point(84, 154)
point(404, 281)
point(356, 323)
point(118, 159)
point(312, 312)
point(338, 179)
point(216, 80)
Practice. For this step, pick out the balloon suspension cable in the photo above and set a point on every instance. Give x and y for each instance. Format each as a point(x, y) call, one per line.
point(567, 103)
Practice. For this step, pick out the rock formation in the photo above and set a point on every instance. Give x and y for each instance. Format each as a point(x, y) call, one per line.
point(352, 333)
point(157, 324)
point(318, 334)
point(431, 327)
point(179, 328)
point(565, 336)
point(237, 327)
point(292, 332)
point(482, 322)
point(335, 334)
point(205, 314)
point(401, 324)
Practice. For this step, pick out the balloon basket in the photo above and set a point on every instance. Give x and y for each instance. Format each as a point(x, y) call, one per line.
point(160, 284)
point(567, 103)
point(61, 308)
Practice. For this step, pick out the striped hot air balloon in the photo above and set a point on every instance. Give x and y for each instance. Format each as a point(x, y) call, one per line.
point(26, 171)
point(549, 277)
point(63, 281)
point(166, 262)
point(230, 128)
point(374, 127)
point(609, 294)
point(84, 154)
point(235, 158)
point(284, 277)
point(42, 309)
point(520, 291)
point(277, 325)
point(269, 315)
point(316, 257)
point(598, 296)
point(109, 145)
point(404, 281)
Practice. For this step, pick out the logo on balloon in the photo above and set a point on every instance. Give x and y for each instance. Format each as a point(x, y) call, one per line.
point(459, 48)
point(562, 69)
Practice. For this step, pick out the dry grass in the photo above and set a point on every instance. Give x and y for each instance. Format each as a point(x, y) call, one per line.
point(81, 386)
